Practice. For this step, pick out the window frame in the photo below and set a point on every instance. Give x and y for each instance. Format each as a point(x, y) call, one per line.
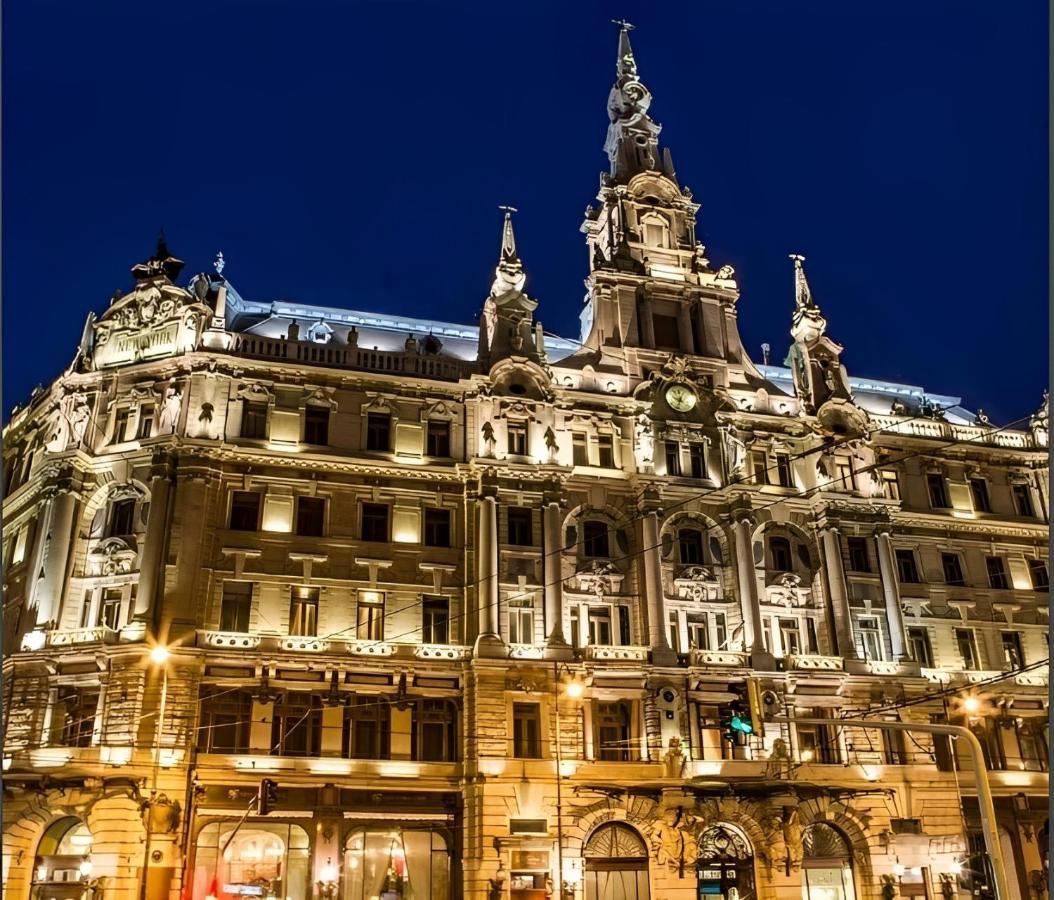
point(303, 521)
point(369, 511)
point(242, 602)
point(316, 425)
point(937, 490)
point(953, 557)
point(379, 432)
point(600, 540)
point(517, 520)
point(304, 607)
point(256, 413)
point(439, 607)
point(907, 566)
point(437, 529)
point(235, 497)
point(982, 501)
point(526, 730)
point(437, 438)
point(857, 553)
point(998, 579)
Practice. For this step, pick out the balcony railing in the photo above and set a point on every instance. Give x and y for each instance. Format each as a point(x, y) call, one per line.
point(932, 428)
point(730, 658)
point(609, 653)
point(98, 635)
point(814, 662)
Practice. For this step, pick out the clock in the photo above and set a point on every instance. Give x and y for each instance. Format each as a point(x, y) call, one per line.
point(680, 398)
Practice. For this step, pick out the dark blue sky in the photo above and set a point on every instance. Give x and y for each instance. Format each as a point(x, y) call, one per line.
point(353, 154)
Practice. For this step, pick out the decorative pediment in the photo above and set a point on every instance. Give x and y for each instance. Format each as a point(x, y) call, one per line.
point(255, 393)
point(112, 556)
point(320, 396)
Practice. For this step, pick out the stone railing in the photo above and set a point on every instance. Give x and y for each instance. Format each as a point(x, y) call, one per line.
point(228, 640)
point(67, 636)
point(814, 662)
point(304, 644)
point(526, 651)
point(440, 651)
point(610, 653)
point(936, 676)
point(733, 658)
point(932, 428)
point(882, 667)
point(371, 648)
point(397, 362)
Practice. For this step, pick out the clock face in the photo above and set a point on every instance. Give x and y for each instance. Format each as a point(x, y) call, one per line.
point(680, 398)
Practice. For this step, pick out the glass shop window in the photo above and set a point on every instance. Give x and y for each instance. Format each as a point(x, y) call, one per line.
point(262, 859)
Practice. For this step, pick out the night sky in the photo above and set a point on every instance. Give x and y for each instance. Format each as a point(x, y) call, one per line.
point(354, 154)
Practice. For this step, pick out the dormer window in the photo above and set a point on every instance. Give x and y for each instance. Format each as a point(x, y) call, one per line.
point(656, 232)
point(319, 333)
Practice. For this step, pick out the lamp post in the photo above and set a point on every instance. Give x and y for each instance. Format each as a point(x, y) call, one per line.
point(327, 883)
point(574, 690)
point(159, 655)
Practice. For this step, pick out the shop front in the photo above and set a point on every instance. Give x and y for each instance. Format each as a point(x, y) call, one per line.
point(725, 868)
point(396, 864)
point(263, 858)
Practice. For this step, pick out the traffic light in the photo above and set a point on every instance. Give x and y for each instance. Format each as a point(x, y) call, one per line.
point(267, 798)
point(757, 706)
point(736, 720)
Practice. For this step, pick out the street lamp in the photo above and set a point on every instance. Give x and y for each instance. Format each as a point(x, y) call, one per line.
point(971, 705)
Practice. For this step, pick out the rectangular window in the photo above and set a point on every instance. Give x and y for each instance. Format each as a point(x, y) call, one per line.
point(435, 621)
point(790, 636)
point(667, 334)
point(697, 460)
point(370, 616)
point(761, 468)
point(813, 645)
point(254, 419)
point(518, 439)
point(316, 425)
point(844, 477)
point(1037, 570)
point(780, 554)
point(437, 528)
point(818, 743)
point(378, 431)
point(435, 729)
point(720, 632)
point(146, 421)
point(858, 557)
point(890, 484)
point(870, 638)
point(120, 428)
point(579, 450)
point(303, 611)
point(966, 642)
point(296, 725)
point(520, 530)
point(997, 577)
point(606, 451)
point(374, 522)
point(367, 729)
point(310, 516)
point(953, 569)
point(600, 625)
point(613, 732)
point(783, 470)
point(595, 539)
point(226, 718)
point(1023, 500)
point(979, 490)
point(1013, 656)
point(698, 632)
point(907, 570)
point(622, 614)
point(245, 511)
point(673, 632)
point(521, 621)
point(79, 707)
point(921, 648)
point(690, 546)
point(438, 439)
point(938, 490)
point(122, 518)
point(110, 608)
point(673, 458)
point(85, 619)
point(526, 731)
point(235, 606)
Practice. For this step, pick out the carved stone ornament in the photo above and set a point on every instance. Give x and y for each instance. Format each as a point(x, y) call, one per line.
point(168, 419)
point(599, 578)
point(112, 556)
point(697, 583)
point(735, 454)
point(644, 442)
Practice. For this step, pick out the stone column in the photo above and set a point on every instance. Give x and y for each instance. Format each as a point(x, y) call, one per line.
point(749, 601)
point(552, 544)
point(489, 642)
point(155, 549)
point(843, 627)
point(887, 567)
point(651, 585)
point(51, 554)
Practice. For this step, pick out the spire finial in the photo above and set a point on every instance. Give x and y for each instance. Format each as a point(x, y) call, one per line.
point(632, 143)
point(509, 275)
point(802, 293)
point(219, 263)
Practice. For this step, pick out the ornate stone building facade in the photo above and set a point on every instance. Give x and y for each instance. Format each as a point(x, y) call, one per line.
point(476, 605)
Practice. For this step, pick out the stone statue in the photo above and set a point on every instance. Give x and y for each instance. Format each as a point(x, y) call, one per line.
point(792, 836)
point(550, 443)
point(489, 441)
point(725, 272)
point(645, 441)
point(79, 420)
point(736, 455)
point(897, 408)
point(170, 408)
point(982, 419)
point(674, 759)
point(779, 761)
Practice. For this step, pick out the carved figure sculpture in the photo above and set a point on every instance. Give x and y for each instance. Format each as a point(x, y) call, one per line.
point(170, 408)
point(489, 441)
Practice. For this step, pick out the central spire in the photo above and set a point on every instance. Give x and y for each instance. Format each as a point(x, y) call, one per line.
point(509, 275)
point(632, 143)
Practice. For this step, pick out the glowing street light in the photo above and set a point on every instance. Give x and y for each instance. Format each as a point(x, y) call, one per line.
point(574, 689)
point(972, 705)
point(159, 655)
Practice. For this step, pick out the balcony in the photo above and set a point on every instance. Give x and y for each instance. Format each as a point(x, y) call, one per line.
point(68, 636)
point(371, 648)
point(304, 644)
point(721, 658)
point(608, 653)
point(812, 662)
point(228, 640)
point(440, 651)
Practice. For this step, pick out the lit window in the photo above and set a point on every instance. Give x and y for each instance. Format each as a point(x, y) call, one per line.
point(521, 621)
point(370, 616)
point(526, 731)
point(435, 622)
point(870, 638)
point(303, 611)
point(1013, 656)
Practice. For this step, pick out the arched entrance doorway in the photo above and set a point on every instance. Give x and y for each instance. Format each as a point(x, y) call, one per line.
point(62, 867)
point(263, 859)
point(827, 867)
point(616, 864)
point(396, 863)
point(726, 864)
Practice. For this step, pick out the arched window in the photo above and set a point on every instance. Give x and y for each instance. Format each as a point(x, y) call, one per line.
point(263, 859)
point(827, 865)
point(396, 863)
point(616, 864)
point(725, 867)
point(63, 859)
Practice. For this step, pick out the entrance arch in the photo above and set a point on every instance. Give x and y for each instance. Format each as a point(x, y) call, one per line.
point(827, 864)
point(616, 864)
point(62, 862)
point(726, 864)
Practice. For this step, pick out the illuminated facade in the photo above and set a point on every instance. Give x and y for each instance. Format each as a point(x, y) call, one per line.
point(480, 602)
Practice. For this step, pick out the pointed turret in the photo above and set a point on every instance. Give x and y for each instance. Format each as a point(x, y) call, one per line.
point(506, 324)
point(632, 143)
point(814, 359)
